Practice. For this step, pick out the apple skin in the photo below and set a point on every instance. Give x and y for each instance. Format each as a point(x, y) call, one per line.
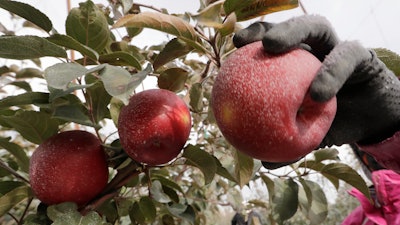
point(154, 126)
point(68, 167)
point(262, 104)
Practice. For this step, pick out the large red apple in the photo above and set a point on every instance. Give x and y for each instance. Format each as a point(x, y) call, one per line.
point(68, 167)
point(262, 105)
point(154, 126)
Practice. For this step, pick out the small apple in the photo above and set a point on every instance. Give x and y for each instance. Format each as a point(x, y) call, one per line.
point(154, 126)
point(262, 105)
point(68, 167)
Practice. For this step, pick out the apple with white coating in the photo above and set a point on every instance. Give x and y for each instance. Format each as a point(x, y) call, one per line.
point(262, 105)
point(154, 126)
point(70, 166)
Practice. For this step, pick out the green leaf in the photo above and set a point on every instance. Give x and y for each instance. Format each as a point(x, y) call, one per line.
point(27, 12)
point(390, 58)
point(28, 47)
point(317, 210)
point(144, 211)
point(7, 186)
point(167, 182)
point(57, 211)
point(123, 206)
point(120, 59)
point(305, 195)
point(158, 193)
point(88, 25)
point(115, 108)
point(22, 84)
point(270, 185)
point(17, 151)
point(67, 213)
point(285, 199)
point(148, 208)
point(119, 83)
point(159, 21)
point(99, 99)
point(173, 195)
point(29, 73)
point(109, 211)
point(173, 79)
point(71, 109)
point(326, 154)
point(196, 97)
point(61, 75)
point(35, 98)
point(70, 43)
point(347, 174)
point(318, 166)
point(250, 9)
point(185, 212)
point(202, 160)
point(312, 164)
point(33, 126)
point(58, 93)
point(244, 166)
point(173, 49)
point(133, 31)
point(222, 171)
point(176, 208)
point(13, 197)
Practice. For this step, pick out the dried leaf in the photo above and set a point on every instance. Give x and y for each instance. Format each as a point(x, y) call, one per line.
point(250, 9)
point(159, 21)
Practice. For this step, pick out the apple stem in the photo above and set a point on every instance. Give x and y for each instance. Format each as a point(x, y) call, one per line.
point(98, 202)
point(123, 176)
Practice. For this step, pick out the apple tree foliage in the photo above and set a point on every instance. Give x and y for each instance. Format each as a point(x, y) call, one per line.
point(86, 89)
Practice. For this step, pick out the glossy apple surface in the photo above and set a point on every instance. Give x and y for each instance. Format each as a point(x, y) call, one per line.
point(68, 167)
point(154, 126)
point(262, 104)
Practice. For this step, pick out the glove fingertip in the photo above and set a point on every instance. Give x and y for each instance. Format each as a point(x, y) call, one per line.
point(254, 32)
point(276, 41)
point(322, 88)
point(240, 39)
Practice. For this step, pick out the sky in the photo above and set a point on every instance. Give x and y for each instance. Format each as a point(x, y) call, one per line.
point(372, 22)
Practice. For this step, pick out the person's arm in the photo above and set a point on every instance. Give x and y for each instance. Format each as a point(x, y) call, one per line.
point(386, 152)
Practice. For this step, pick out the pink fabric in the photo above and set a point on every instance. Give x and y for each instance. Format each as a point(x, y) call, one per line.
point(387, 183)
point(387, 152)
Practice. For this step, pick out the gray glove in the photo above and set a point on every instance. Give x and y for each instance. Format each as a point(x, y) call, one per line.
point(368, 93)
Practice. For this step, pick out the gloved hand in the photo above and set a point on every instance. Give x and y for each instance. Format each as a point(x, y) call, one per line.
point(368, 93)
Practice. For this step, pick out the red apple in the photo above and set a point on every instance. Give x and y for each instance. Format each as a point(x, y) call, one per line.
point(262, 105)
point(68, 167)
point(154, 126)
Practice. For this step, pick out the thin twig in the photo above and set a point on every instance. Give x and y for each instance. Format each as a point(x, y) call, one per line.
point(149, 7)
point(12, 171)
point(25, 211)
point(13, 217)
point(111, 190)
point(303, 8)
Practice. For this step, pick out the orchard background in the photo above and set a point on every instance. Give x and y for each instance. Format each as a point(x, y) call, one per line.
point(97, 67)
